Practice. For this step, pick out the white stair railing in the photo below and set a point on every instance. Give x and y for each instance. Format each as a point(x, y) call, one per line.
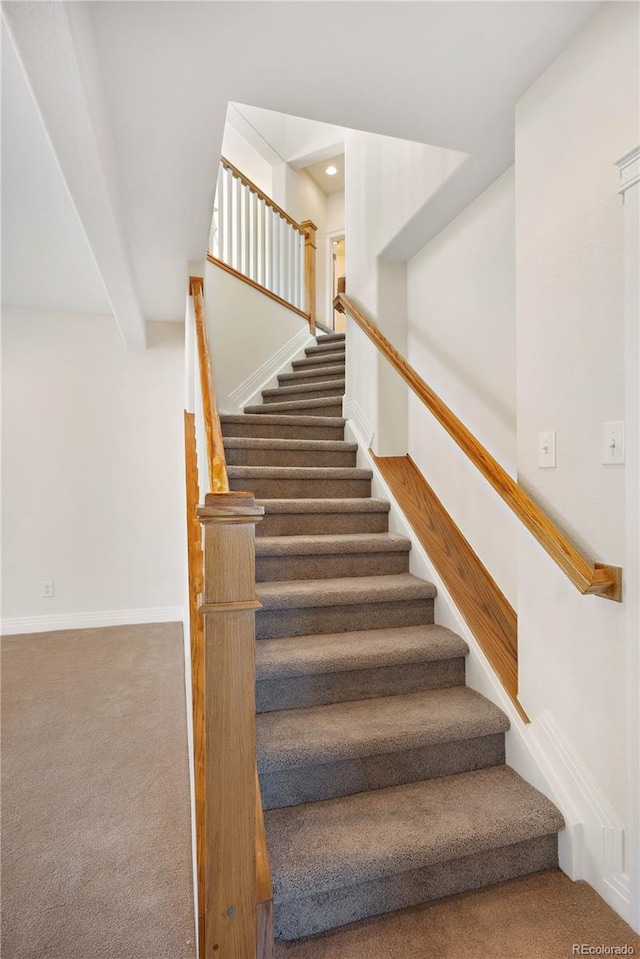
point(259, 240)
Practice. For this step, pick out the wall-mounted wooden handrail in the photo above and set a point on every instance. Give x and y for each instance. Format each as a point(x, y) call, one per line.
point(216, 463)
point(597, 578)
point(263, 196)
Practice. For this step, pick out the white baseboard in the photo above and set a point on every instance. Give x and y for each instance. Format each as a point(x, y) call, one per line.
point(361, 427)
point(112, 617)
point(249, 391)
point(591, 847)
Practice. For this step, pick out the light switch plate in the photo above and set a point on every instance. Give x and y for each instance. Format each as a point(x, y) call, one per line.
point(613, 443)
point(547, 450)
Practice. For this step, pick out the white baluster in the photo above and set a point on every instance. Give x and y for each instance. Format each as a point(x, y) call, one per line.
point(237, 225)
point(301, 273)
point(228, 201)
point(254, 237)
point(282, 256)
point(246, 230)
point(262, 237)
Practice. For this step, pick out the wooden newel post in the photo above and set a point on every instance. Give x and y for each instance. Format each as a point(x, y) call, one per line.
point(310, 271)
point(229, 603)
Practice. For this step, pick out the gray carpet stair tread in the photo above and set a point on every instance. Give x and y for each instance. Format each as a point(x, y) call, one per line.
point(296, 594)
point(319, 359)
point(366, 649)
point(332, 544)
point(319, 403)
point(315, 374)
point(285, 391)
point(260, 419)
point(332, 844)
point(315, 735)
point(330, 338)
point(300, 472)
point(327, 505)
point(321, 348)
point(268, 443)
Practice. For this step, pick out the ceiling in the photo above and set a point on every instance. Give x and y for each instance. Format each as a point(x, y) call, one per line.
point(47, 263)
point(318, 173)
point(158, 77)
point(304, 144)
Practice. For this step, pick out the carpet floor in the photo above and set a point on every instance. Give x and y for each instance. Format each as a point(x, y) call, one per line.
point(96, 845)
point(537, 917)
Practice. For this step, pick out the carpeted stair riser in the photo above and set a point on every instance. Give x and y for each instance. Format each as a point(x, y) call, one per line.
point(352, 666)
point(324, 406)
point(293, 487)
point(322, 359)
point(325, 349)
point(309, 755)
point(294, 394)
point(296, 519)
point(293, 692)
point(340, 860)
point(294, 524)
point(282, 427)
point(332, 780)
point(269, 455)
point(331, 565)
point(305, 621)
point(310, 376)
point(312, 915)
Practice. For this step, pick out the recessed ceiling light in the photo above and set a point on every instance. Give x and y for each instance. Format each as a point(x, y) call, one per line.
point(331, 170)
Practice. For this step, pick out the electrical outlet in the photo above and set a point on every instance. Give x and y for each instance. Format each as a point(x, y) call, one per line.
point(613, 443)
point(547, 450)
point(48, 588)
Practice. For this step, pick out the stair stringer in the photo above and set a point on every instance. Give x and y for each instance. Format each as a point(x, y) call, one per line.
point(591, 847)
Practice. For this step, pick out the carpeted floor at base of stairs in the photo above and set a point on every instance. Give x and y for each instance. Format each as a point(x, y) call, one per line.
point(537, 917)
point(96, 815)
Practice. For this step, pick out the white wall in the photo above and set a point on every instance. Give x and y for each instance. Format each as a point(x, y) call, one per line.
point(247, 159)
point(462, 339)
point(250, 337)
point(92, 470)
point(571, 126)
point(387, 182)
point(335, 212)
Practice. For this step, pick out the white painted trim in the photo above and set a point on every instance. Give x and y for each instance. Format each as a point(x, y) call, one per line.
point(629, 167)
point(249, 391)
point(591, 845)
point(328, 239)
point(361, 427)
point(13, 626)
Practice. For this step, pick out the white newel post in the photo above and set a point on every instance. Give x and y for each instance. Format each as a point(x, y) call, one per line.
point(629, 166)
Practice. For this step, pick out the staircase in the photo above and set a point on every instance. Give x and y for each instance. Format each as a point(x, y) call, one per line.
point(382, 774)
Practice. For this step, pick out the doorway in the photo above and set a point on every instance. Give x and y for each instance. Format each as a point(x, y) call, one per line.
point(338, 269)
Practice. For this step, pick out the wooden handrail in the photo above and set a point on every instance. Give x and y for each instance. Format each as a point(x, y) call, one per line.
point(217, 466)
point(597, 578)
point(235, 894)
point(263, 196)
